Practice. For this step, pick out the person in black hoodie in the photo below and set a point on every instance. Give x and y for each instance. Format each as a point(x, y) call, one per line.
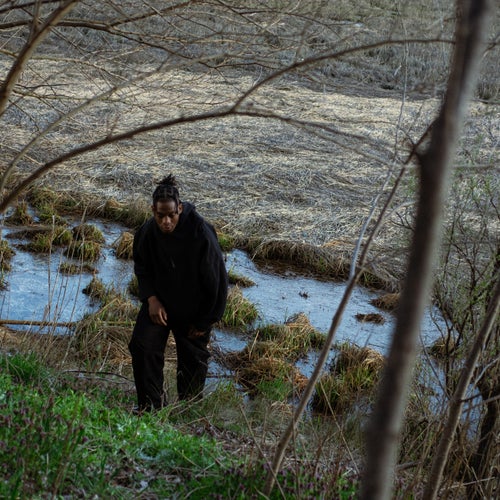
point(183, 289)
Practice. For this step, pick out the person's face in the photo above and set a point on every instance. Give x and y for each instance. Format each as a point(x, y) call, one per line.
point(166, 215)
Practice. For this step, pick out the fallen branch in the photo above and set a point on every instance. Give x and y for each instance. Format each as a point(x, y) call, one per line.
point(67, 324)
point(28, 322)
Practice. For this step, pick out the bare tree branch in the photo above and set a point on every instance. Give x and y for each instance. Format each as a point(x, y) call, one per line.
point(31, 45)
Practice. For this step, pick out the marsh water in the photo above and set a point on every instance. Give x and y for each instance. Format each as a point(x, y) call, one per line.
point(37, 292)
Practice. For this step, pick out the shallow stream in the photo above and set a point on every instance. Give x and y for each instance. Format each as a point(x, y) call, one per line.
point(37, 291)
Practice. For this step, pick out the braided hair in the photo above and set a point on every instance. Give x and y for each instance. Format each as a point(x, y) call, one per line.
point(166, 190)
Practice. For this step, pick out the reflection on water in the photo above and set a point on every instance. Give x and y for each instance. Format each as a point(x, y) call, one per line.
point(38, 292)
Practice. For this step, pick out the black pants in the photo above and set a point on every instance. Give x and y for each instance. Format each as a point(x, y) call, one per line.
point(147, 348)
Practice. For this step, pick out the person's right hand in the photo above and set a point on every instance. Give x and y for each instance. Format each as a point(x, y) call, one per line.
point(157, 312)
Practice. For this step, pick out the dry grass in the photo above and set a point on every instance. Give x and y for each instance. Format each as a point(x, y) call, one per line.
point(53, 349)
point(350, 356)
point(296, 337)
point(88, 232)
point(443, 348)
point(20, 215)
point(239, 280)
point(70, 268)
point(100, 344)
point(328, 261)
point(6, 254)
point(261, 363)
point(370, 318)
point(387, 302)
point(101, 338)
point(262, 180)
point(131, 214)
point(254, 177)
point(89, 251)
point(123, 246)
point(351, 380)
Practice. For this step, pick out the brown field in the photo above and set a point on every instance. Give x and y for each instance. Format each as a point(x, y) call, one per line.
point(258, 177)
point(319, 158)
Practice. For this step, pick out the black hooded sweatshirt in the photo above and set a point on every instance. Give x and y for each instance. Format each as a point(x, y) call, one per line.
point(184, 269)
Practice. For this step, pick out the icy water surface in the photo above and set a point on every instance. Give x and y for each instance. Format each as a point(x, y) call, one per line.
point(38, 292)
point(279, 296)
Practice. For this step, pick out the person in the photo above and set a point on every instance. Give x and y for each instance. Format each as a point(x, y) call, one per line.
point(183, 289)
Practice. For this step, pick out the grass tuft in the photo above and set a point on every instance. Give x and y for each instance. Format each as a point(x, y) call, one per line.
point(6, 254)
point(123, 246)
point(238, 279)
point(20, 215)
point(260, 372)
point(239, 312)
point(297, 336)
point(226, 241)
point(387, 302)
point(69, 268)
point(133, 286)
point(84, 250)
point(132, 215)
point(370, 318)
point(353, 376)
point(44, 241)
point(88, 232)
point(102, 337)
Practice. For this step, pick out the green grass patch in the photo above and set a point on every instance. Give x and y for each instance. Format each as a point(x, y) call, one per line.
point(58, 441)
point(240, 313)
